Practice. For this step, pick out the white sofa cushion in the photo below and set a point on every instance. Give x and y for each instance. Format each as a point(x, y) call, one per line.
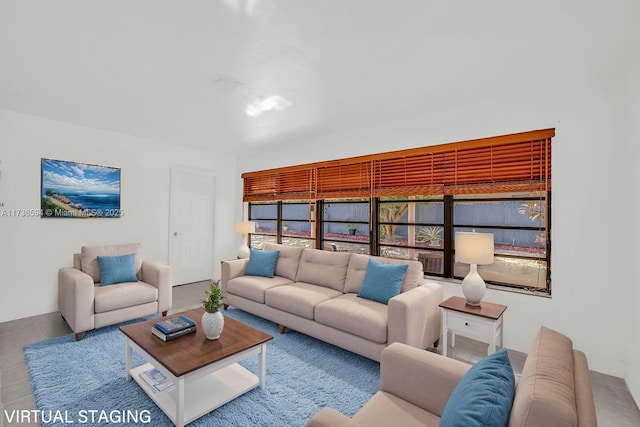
point(288, 261)
point(358, 316)
point(89, 257)
point(323, 268)
point(122, 295)
point(254, 287)
point(299, 298)
point(358, 267)
point(387, 409)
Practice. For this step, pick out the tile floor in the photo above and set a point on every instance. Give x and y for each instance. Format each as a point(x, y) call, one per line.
point(614, 405)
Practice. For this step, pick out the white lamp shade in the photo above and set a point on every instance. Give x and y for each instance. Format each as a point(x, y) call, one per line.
point(474, 248)
point(244, 227)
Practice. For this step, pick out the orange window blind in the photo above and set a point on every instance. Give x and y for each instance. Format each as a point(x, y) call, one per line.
point(506, 163)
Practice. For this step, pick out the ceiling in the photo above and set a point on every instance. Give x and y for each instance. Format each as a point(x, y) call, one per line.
point(184, 72)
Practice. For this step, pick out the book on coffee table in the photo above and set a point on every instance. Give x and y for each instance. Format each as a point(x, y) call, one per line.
point(173, 335)
point(174, 324)
point(156, 379)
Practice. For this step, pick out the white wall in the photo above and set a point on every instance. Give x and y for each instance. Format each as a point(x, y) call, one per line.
point(33, 249)
point(633, 370)
point(590, 240)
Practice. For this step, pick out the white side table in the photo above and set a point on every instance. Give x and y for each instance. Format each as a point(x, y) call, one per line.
point(483, 323)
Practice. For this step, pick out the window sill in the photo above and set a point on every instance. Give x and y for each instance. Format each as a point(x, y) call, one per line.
point(490, 286)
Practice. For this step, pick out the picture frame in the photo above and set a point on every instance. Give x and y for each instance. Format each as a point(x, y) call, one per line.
point(71, 189)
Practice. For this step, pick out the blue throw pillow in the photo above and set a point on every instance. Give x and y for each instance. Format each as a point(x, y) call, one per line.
point(382, 281)
point(117, 269)
point(262, 263)
point(484, 395)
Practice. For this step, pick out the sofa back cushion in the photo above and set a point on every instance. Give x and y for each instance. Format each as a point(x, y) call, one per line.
point(358, 268)
point(323, 268)
point(288, 261)
point(89, 257)
point(545, 393)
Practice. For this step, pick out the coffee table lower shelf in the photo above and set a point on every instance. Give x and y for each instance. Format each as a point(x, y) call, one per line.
point(202, 394)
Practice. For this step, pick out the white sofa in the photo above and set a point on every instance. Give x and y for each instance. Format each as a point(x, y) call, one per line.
point(85, 305)
point(316, 292)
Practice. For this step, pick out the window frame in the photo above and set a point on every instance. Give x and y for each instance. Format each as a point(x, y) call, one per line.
point(449, 225)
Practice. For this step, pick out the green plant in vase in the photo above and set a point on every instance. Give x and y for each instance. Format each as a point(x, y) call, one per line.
point(212, 319)
point(213, 300)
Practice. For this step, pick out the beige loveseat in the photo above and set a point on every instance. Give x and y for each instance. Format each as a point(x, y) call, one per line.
point(85, 305)
point(315, 292)
point(554, 389)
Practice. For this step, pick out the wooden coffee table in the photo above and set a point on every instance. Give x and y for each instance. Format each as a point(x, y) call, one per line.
point(205, 373)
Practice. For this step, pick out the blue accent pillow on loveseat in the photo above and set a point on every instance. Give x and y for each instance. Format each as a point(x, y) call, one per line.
point(484, 395)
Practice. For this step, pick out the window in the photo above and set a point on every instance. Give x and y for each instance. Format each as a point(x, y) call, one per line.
point(413, 228)
point(296, 225)
point(409, 204)
point(345, 225)
point(282, 222)
point(265, 215)
point(518, 224)
point(424, 228)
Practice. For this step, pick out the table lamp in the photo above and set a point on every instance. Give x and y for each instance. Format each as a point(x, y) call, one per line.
point(244, 228)
point(474, 248)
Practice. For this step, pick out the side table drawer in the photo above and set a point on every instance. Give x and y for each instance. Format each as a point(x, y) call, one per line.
point(471, 328)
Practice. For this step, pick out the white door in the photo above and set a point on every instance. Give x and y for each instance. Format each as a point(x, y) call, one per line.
point(191, 223)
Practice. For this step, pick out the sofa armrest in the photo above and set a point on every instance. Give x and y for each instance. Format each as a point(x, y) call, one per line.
point(414, 316)
point(329, 417)
point(231, 269)
point(585, 406)
point(420, 377)
point(159, 275)
point(75, 299)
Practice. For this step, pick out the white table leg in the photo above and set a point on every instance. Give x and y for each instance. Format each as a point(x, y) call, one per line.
point(492, 344)
point(262, 365)
point(180, 403)
point(128, 360)
point(445, 331)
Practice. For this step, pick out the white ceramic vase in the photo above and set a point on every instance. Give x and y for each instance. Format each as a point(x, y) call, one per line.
point(212, 324)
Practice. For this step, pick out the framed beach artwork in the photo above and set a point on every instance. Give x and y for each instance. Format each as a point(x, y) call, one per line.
point(79, 190)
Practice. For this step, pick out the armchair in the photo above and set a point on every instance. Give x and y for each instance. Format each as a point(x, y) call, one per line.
point(85, 305)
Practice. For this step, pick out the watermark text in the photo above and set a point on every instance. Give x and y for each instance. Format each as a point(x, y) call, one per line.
point(83, 416)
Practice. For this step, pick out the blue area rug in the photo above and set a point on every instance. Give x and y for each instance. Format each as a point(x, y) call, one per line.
point(84, 382)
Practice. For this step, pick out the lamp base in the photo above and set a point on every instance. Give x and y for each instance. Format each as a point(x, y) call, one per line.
point(243, 250)
point(473, 287)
